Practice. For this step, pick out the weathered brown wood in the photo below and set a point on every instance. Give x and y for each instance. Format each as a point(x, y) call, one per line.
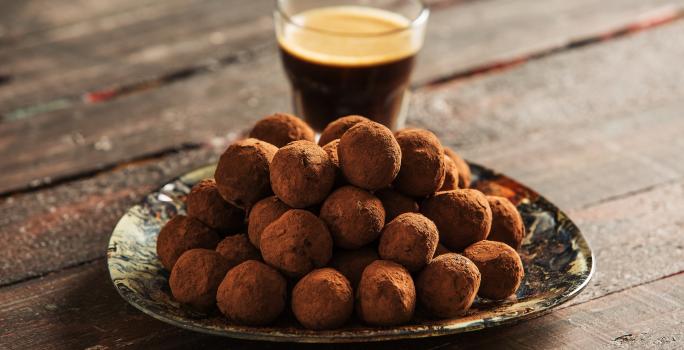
point(88, 55)
point(62, 144)
point(79, 308)
point(581, 156)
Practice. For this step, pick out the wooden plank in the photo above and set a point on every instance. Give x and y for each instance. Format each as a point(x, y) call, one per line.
point(520, 102)
point(585, 165)
point(462, 36)
point(50, 313)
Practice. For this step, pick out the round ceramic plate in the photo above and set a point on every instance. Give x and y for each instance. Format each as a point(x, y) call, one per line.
point(558, 265)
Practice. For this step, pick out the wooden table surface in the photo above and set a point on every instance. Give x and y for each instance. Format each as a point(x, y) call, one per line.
point(104, 101)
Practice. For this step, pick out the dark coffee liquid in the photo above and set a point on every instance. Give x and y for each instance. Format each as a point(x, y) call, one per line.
point(325, 92)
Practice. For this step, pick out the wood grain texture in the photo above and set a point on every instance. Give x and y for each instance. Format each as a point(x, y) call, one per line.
point(158, 38)
point(582, 154)
point(49, 313)
point(520, 102)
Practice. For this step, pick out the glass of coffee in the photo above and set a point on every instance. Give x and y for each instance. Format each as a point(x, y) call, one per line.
point(350, 57)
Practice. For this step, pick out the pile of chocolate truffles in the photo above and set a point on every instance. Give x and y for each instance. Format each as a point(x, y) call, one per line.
point(366, 222)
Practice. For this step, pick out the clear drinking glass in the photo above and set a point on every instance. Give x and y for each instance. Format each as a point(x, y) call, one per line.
point(350, 57)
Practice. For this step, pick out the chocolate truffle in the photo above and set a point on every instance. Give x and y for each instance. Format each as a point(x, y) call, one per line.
point(182, 233)
point(252, 293)
point(196, 276)
point(351, 263)
point(500, 266)
point(262, 214)
point(422, 163)
point(507, 224)
point(463, 217)
point(396, 203)
point(450, 175)
point(296, 243)
point(279, 129)
point(242, 174)
point(370, 156)
point(302, 174)
point(447, 285)
point(236, 249)
point(323, 299)
point(410, 240)
point(464, 175)
point(386, 295)
point(338, 127)
point(331, 149)
point(441, 250)
point(355, 217)
point(205, 204)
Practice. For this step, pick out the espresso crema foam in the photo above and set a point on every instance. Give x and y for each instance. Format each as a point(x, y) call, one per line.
point(349, 36)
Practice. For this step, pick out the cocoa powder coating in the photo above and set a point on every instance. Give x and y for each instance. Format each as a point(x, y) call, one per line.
point(296, 243)
point(338, 127)
point(242, 174)
point(507, 224)
point(463, 217)
point(422, 163)
point(450, 175)
point(354, 216)
point(205, 204)
point(464, 175)
point(331, 149)
point(501, 268)
point(386, 295)
point(262, 214)
point(323, 299)
point(237, 249)
point(370, 156)
point(302, 174)
point(279, 129)
point(351, 263)
point(180, 234)
point(196, 276)
point(252, 294)
point(448, 285)
point(410, 240)
point(396, 203)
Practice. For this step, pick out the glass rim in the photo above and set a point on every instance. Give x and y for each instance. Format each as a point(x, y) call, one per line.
point(419, 19)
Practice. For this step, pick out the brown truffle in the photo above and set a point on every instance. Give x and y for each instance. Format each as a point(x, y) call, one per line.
point(463, 217)
point(323, 299)
point(338, 127)
point(262, 214)
point(386, 295)
point(507, 224)
point(279, 129)
point(370, 156)
point(331, 149)
point(205, 204)
point(302, 174)
point(196, 276)
point(500, 266)
point(441, 250)
point(396, 203)
point(410, 240)
point(422, 163)
point(296, 243)
point(252, 293)
point(236, 249)
point(450, 175)
point(355, 217)
point(447, 285)
point(351, 263)
point(464, 175)
point(242, 174)
point(182, 233)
